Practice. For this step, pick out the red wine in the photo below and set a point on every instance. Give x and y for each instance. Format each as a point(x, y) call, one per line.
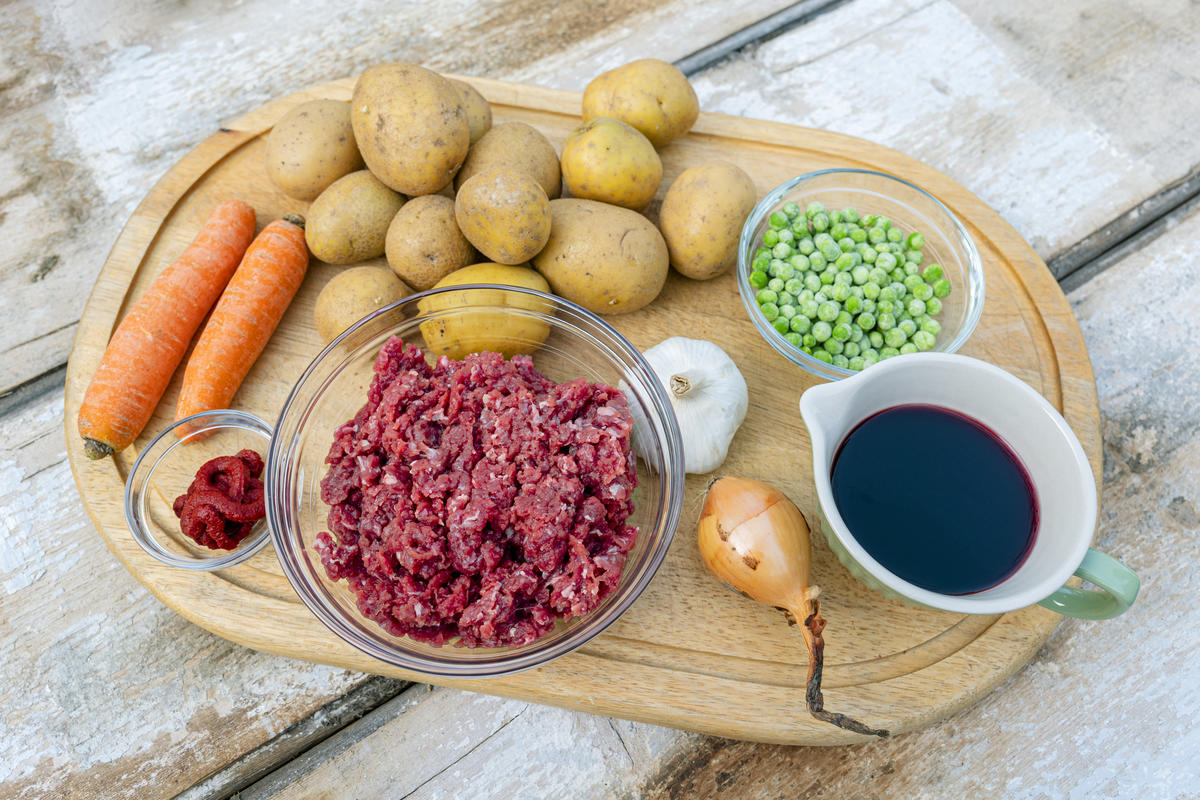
point(936, 497)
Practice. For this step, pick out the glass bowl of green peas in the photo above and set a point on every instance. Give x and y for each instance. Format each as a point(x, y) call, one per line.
point(842, 268)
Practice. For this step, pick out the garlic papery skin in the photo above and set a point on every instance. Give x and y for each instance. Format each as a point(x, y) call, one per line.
point(709, 396)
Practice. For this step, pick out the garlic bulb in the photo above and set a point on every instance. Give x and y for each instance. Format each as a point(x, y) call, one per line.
point(708, 394)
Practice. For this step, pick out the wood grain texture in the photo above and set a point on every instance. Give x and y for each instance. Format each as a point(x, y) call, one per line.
point(97, 100)
point(687, 643)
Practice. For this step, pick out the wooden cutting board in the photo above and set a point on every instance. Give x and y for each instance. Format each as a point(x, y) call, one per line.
point(690, 653)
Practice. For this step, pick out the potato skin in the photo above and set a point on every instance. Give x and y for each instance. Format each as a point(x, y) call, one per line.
point(604, 159)
point(702, 218)
point(410, 125)
point(608, 259)
point(348, 223)
point(479, 110)
point(517, 146)
point(351, 295)
point(311, 147)
point(651, 95)
point(457, 335)
point(424, 243)
point(505, 214)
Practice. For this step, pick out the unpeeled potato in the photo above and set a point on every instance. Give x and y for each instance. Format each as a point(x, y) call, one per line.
point(351, 295)
point(604, 159)
point(479, 111)
point(651, 95)
point(424, 243)
point(505, 214)
point(311, 147)
point(517, 146)
point(702, 218)
point(462, 323)
point(348, 223)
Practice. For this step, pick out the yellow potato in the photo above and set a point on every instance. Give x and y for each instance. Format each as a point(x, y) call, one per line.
point(651, 95)
point(348, 223)
point(517, 146)
point(466, 322)
point(311, 147)
point(607, 259)
point(604, 159)
point(702, 218)
point(410, 125)
point(505, 214)
point(479, 111)
point(351, 295)
point(424, 243)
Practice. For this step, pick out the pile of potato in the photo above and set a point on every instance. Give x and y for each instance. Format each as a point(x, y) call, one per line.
point(413, 169)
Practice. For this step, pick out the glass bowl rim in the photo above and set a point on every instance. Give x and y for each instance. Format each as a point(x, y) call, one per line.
point(138, 480)
point(974, 270)
point(504, 663)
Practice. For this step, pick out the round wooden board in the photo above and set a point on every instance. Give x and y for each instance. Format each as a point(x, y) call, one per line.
point(690, 653)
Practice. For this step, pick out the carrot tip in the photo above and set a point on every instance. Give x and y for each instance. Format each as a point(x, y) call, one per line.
point(96, 450)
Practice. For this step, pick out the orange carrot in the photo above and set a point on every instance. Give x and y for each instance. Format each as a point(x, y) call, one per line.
point(245, 317)
point(150, 342)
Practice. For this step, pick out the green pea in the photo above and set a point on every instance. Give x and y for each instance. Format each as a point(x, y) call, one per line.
point(828, 275)
point(923, 340)
point(865, 320)
point(844, 317)
point(793, 339)
point(814, 208)
point(870, 355)
point(831, 251)
point(852, 304)
point(888, 352)
point(822, 330)
point(844, 262)
point(887, 294)
point(820, 222)
point(833, 346)
point(849, 214)
point(837, 230)
point(885, 262)
point(871, 290)
point(916, 307)
point(769, 310)
point(911, 269)
point(835, 217)
point(798, 262)
point(793, 286)
point(812, 281)
point(860, 275)
point(791, 209)
point(840, 360)
point(899, 288)
point(915, 241)
point(782, 250)
point(806, 246)
point(906, 326)
point(803, 295)
point(933, 306)
point(762, 260)
point(809, 340)
point(850, 349)
point(816, 261)
point(907, 347)
point(787, 236)
point(895, 235)
point(776, 284)
point(758, 279)
point(886, 321)
point(922, 291)
point(941, 288)
point(841, 332)
point(856, 333)
point(771, 238)
point(914, 256)
point(839, 292)
point(786, 297)
point(869, 254)
point(800, 323)
point(883, 222)
point(766, 296)
point(858, 236)
point(898, 275)
point(931, 326)
point(875, 338)
point(857, 363)
point(876, 235)
point(821, 297)
point(932, 272)
point(913, 281)
point(868, 221)
point(778, 220)
point(780, 324)
point(821, 355)
point(828, 311)
point(786, 310)
point(809, 308)
point(894, 337)
point(786, 271)
point(869, 306)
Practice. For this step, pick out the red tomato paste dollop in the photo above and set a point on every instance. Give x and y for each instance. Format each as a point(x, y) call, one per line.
point(477, 501)
point(223, 502)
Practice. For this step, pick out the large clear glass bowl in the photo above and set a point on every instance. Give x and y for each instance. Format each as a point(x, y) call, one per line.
point(334, 387)
point(910, 208)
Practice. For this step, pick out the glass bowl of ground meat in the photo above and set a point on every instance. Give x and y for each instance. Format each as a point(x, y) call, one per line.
point(457, 485)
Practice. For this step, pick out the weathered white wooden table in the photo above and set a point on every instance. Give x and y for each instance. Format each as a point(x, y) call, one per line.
point(1076, 120)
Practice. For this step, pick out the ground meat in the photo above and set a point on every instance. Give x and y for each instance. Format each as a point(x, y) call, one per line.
point(477, 501)
point(223, 502)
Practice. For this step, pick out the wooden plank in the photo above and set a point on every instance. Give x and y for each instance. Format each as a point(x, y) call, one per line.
point(1034, 112)
point(687, 640)
point(96, 107)
point(1106, 709)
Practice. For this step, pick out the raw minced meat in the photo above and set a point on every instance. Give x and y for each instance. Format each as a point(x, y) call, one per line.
point(477, 501)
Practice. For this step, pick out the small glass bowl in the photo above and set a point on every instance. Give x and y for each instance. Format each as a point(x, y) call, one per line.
point(910, 208)
point(333, 388)
point(165, 469)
